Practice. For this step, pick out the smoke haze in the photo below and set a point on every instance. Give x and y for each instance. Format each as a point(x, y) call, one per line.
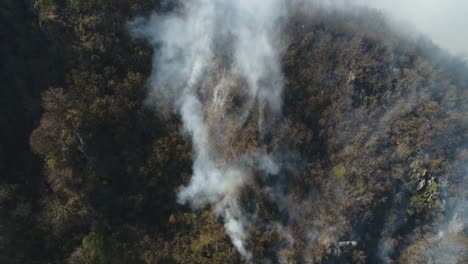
point(443, 21)
point(189, 78)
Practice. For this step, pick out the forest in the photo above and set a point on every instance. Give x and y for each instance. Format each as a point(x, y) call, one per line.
point(371, 143)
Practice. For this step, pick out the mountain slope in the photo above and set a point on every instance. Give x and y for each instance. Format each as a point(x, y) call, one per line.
point(369, 146)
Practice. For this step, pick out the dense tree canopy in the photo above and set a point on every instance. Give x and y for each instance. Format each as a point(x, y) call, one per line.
point(375, 125)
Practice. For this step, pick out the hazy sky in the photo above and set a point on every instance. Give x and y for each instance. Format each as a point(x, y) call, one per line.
point(444, 21)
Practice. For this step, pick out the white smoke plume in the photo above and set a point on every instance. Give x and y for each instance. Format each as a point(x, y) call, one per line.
point(187, 77)
point(186, 46)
